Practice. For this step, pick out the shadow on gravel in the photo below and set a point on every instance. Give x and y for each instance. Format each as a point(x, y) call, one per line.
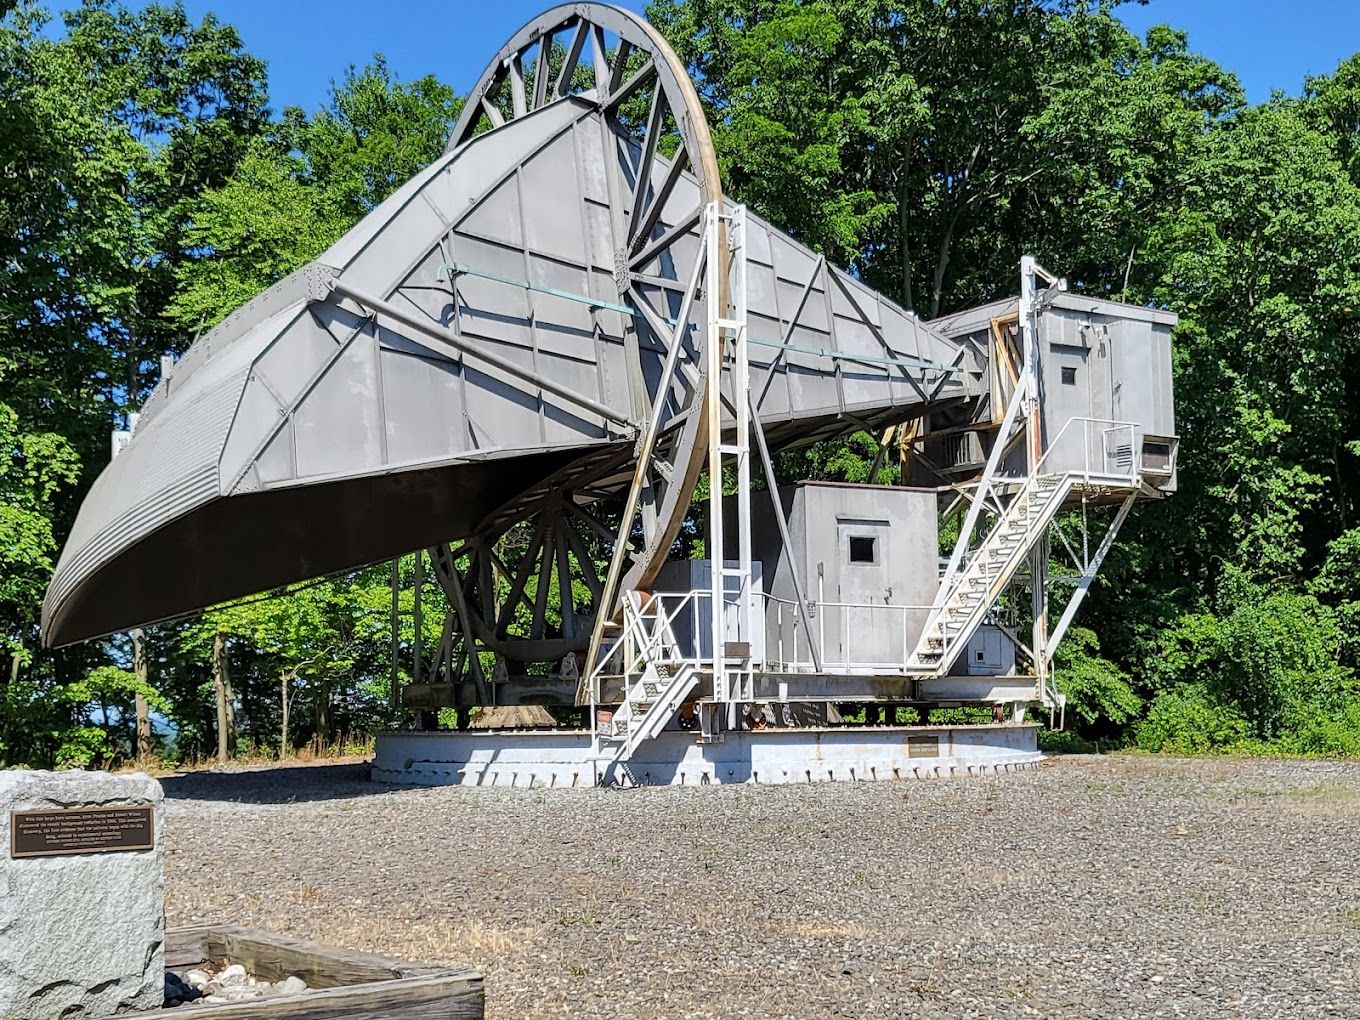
point(283, 785)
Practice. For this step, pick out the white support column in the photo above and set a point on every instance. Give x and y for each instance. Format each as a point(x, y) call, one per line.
point(1029, 337)
point(728, 361)
point(1038, 565)
point(713, 291)
point(1030, 309)
point(1032, 409)
point(740, 378)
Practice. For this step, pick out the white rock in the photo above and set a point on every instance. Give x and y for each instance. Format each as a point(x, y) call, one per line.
point(197, 979)
point(233, 976)
point(292, 985)
point(80, 934)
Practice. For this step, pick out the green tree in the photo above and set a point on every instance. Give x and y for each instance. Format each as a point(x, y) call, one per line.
point(105, 131)
point(1136, 168)
point(301, 187)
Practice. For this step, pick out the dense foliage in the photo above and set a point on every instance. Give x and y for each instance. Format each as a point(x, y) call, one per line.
point(146, 189)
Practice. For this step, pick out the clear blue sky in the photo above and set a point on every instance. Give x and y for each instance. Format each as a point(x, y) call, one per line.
point(307, 43)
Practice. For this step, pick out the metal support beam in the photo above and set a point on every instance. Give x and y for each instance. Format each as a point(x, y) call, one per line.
point(644, 455)
point(772, 484)
point(452, 339)
point(728, 359)
point(1087, 576)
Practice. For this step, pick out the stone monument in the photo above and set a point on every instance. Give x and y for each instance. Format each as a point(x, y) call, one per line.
point(82, 895)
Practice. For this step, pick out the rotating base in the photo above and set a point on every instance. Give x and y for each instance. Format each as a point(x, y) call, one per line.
point(562, 758)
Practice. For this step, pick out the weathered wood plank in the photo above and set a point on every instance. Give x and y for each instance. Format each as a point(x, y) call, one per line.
point(344, 984)
point(436, 997)
point(188, 946)
point(274, 957)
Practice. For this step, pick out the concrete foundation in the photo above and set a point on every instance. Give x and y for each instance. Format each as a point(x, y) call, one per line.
point(561, 758)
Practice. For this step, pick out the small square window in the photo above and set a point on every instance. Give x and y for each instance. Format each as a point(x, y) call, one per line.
point(1069, 375)
point(862, 550)
point(981, 656)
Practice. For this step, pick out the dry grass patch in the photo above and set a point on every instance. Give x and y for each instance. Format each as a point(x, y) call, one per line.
point(429, 939)
point(1325, 800)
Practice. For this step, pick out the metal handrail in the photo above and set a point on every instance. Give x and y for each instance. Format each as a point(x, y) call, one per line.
point(1135, 455)
point(662, 620)
point(666, 608)
point(794, 664)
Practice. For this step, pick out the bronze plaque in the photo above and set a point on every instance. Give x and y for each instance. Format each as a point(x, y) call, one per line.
point(923, 745)
point(96, 830)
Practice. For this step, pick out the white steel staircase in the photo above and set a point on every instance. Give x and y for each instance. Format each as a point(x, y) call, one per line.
point(972, 591)
point(651, 697)
point(651, 702)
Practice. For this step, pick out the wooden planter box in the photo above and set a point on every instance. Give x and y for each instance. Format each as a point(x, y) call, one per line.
point(355, 986)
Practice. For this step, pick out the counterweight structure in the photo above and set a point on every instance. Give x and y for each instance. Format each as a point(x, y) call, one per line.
point(526, 362)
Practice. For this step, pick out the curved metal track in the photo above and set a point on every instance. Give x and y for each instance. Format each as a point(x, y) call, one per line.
point(600, 55)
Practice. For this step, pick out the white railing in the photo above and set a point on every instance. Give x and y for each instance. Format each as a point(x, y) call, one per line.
point(1109, 450)
point(673, 627)
point(877, 627)
point(649, 634)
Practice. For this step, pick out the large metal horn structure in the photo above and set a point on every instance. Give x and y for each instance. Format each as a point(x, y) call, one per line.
point(521, 365)
point(480, 353)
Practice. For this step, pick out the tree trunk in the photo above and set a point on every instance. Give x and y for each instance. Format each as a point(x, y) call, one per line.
point(903, 215)
point(143, 745)
point(942, 263)
point(226, 710)
point(323, 718)
point(5, 709)
point(284, 749)
point(231, 704)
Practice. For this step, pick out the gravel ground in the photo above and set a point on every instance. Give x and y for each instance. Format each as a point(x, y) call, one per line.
point(1093, 887)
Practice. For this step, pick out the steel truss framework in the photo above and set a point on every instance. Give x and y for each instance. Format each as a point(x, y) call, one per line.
point(640, 666)
point(524, 361)
point(1023, 505)
point(535, 607)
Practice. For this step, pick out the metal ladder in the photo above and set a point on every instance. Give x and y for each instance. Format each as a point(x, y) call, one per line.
point(733, 668)
point(962, 608)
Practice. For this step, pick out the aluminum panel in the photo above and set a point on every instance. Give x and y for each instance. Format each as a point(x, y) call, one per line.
point(262, 410)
